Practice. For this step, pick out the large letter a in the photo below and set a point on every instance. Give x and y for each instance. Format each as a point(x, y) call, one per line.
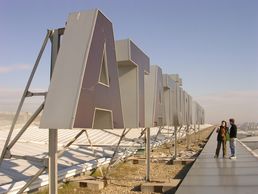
point(84, 90)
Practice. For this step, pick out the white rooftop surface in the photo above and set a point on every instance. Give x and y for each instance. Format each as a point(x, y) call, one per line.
point(78, 158)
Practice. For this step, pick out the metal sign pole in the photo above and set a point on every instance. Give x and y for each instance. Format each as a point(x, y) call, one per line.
point(53, 135)
point(148, 150)
point(52, 163)
point(188, 136)
point(199, 128)
point(195, 132)
point(175, 154)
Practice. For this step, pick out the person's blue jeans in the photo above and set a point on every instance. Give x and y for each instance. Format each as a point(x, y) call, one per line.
point(233, 146)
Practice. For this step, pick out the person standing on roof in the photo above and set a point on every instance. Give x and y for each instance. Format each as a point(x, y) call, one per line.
point(221, 139)
point(233, 136)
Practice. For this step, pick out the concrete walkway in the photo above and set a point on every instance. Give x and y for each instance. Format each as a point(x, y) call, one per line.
point(222, 176)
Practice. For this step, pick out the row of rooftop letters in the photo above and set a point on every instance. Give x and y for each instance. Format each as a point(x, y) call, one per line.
point(101, 83)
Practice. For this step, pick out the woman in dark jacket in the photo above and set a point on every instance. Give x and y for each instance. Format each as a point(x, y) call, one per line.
point(222, 139)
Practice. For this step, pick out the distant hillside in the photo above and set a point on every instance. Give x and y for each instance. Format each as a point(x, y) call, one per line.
point(6, 119)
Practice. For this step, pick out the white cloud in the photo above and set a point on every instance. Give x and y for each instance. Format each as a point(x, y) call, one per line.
point(12, 68)
point(241, 105)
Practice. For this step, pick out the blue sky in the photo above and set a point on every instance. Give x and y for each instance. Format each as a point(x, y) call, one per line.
point(212, 44)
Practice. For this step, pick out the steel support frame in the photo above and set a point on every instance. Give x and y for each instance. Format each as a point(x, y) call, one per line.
point(156, 136)
point(115, 151)
point(53, 133)
point(31, 180)
point(61, 152)
point(54, 36)
point(145, 131)
point(25, 92)
point(94, 151)
point(117, 146)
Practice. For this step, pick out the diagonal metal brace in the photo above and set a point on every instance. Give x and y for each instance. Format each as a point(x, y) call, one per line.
point(31, 180)
point(49, 32)
point(115, 152)
point(61, 152)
